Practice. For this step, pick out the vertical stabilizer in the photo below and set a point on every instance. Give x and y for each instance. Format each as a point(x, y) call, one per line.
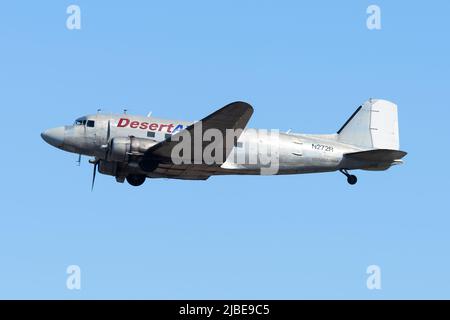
point(374, 125)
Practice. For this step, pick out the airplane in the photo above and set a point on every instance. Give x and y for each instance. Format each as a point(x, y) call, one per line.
point(133, 148)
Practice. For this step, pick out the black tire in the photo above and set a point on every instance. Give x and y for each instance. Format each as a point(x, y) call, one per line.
point(351, 179)
point(136, 180)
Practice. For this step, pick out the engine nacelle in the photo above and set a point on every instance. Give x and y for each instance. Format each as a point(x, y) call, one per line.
point(108, 168)
point(122, 147)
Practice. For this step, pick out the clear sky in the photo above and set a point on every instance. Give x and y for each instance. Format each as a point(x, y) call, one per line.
point(302, 66)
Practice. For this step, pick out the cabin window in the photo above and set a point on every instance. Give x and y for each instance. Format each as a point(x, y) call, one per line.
point(91, 123)
point(167, 136)
point(150, 134)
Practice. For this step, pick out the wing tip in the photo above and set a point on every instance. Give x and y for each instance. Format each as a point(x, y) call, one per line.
point(240, 104)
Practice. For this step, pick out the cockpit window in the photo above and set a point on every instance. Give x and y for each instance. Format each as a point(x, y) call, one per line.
point(80, 122)
point(84, 122)
point(90, 123)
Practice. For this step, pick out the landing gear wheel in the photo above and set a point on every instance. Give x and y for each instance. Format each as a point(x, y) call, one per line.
point(136, 180)
point(351, 179)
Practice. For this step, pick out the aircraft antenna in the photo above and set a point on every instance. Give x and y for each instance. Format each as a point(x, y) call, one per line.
point(149, 114)
point(125, 111)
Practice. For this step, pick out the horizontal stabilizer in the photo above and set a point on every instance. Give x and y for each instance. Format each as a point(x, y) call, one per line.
point(377, 155)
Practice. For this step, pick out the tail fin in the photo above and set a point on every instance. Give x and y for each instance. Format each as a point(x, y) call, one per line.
point(374, 125)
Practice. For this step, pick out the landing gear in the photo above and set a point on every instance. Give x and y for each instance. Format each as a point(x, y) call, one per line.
point(136, 179)
point(351, 179)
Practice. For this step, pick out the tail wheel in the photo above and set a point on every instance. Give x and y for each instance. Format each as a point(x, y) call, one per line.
point(351, 179)
point(136, 179)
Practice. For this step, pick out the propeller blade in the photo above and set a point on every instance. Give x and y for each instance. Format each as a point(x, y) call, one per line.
point(108, 133)
point(93, 176)
point(108, 136)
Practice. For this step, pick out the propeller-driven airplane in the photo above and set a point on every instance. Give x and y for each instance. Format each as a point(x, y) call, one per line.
point(134, 148)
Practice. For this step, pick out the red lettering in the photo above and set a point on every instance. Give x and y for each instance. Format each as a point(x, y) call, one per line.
point(134, 124)
point(123, 123)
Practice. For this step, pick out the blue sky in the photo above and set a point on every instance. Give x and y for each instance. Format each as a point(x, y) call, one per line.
point(304, 66)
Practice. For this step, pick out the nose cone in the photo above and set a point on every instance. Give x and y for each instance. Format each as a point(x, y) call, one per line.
point(54, 136)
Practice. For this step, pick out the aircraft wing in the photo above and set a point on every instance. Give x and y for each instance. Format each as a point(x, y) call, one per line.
point(183, 171)
point(233, 116)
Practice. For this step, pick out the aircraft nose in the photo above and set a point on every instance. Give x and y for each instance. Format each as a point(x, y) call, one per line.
point(54, 136)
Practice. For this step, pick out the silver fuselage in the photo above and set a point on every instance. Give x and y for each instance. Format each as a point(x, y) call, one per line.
point(296, 153)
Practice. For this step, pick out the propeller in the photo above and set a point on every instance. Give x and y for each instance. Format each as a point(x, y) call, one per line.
point(108, 132)
point(107, 146)
point(95, 163)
